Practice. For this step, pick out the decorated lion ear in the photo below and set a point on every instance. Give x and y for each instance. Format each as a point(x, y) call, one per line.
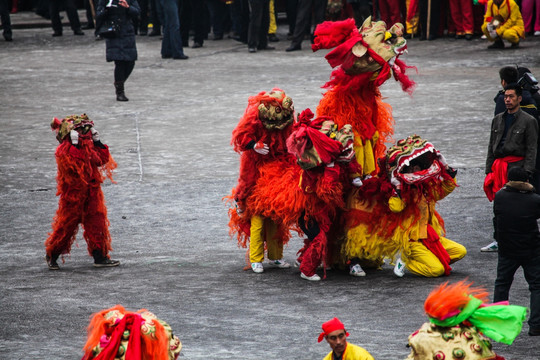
point(359, 50)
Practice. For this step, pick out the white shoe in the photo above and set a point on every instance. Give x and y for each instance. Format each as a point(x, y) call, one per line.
point(399, 269)
point(296, 263)
point(537, 33)
point(493, 247)
point(483, 37)
point(356, 270)
point(257, 267)
point(313, 277)
point(280, 264)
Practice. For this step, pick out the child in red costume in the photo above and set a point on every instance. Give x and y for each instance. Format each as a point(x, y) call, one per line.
point(83, 163)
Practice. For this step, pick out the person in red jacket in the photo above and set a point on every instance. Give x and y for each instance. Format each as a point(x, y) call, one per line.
point(83, 163)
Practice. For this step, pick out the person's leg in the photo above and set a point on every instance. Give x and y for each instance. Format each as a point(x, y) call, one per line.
point(273, 244)
point(265, 21)
point(173, 45)
point(272, 25)
point(302, 22)
point(73, 16)
point(537, 17)
point(384, 11)
point(506, 268)
point(511, 36)
point(143, 21)
point(120, 71)
point(255, 20)
point(6, 20)
point(256, 240)
point(457, 16)
point(292, 7)
point(455, 251)
point(65, 223)
point(394, 12)
point(96, 225)
point(527, 14)
point(421, 261)
point(197, 11)
point(54, 10)
point(531, 270)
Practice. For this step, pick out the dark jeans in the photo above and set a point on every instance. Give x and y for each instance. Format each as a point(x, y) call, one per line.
point(5, 18)
point(71, 10)
point(259, 21)
point(506, 268)
point(122, 70)
point(171, 45)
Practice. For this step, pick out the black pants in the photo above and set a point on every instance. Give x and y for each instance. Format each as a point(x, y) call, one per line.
point(5, 18)
point(506, 268)
point(122, 70)
point(259, 21)
point(71, 10)
point(303, 18)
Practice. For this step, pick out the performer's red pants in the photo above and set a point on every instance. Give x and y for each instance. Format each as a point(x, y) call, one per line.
point(462, 15)
point(390, 12)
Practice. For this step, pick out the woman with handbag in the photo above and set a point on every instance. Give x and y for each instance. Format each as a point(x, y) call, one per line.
point(117, 28)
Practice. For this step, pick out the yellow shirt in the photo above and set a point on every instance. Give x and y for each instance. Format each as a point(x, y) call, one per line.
point(512, 16)
point(352, 352)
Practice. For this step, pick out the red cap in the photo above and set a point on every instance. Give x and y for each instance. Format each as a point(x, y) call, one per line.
point(330, 326)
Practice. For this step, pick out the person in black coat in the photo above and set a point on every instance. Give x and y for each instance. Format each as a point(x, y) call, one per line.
point(517, 208)
point(122, 48)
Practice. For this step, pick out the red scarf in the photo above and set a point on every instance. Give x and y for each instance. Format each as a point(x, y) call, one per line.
point(131, 322)
point(434, 245)
point(498, 176)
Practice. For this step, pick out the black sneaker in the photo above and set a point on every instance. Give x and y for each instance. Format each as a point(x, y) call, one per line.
point(498, 44)
point(534, 331)
point(106, 263)
point(51, 262)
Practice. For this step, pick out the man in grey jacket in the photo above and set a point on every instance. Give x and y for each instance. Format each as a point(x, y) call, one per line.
point(513, 142)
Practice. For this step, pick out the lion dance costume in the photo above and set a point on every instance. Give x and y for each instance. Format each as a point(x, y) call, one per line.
point(395, 211)
point(83, 163)
point(117, 334)
point(460, 322)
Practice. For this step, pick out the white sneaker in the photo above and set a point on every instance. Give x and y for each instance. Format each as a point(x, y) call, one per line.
point(280, 264)
point(493, 247)
point(356, 270)
point(399, 269)
point(483, 37)
point(537, 33)
point(257, 267)
point(313, 277)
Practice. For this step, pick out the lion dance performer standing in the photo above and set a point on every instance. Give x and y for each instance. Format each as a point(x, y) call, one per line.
point(260, 138)
point(83, 163)
point(118, 334)
point(459, 321)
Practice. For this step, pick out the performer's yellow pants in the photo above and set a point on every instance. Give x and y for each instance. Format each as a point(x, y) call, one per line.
point(412, 26)
point(423, 262)
point(510, 35)
point(272, 28)
point(264, 229)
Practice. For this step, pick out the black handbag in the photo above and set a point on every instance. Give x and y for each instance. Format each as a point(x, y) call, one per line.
point(109, 29)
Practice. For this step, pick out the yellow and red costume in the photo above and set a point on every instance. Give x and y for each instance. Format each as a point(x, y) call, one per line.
point(506, 19)
point(395, 211)
point(83, 164)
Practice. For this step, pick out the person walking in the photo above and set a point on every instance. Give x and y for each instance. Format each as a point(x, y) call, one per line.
point(517, 208)
point(122, 48)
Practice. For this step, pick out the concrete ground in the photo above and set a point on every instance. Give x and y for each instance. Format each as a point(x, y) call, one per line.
point(168, 220)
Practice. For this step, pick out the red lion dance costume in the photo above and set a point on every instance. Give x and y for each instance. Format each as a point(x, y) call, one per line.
point(83, 163)
point(117, 334)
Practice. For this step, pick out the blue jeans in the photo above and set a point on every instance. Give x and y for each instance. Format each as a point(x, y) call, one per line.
point(506, 268)
point(171, 45)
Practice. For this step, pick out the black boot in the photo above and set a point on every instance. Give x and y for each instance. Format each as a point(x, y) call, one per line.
point(120, 96)
point(103, 261)
point(51, 262)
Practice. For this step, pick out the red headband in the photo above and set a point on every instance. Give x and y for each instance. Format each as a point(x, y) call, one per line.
point(330, 326)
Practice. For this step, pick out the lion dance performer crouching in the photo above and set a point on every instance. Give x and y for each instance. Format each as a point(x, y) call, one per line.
point(260, 138)
point(395, 211)
point(83, 163)
point(460, 323)
point(118, 334)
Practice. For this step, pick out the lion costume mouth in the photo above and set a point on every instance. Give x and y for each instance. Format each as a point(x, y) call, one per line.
point(413, 160)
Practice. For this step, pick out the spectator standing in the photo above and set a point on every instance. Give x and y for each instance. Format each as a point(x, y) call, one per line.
point(429, 19)
point(218, 15)
point(390, 11)
point(193, 18)
point(303, 23)
point(171, 44)
point(517, 208)
point(73, 16)
point(531, 16)
point(272, 27)
point(122, 48)
point(462, 15)
point(503, 21)
point(259, 20)
point(411, 19)
point(6, 20)
point(156, 16)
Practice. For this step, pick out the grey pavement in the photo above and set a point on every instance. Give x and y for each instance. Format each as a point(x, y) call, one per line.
point(168, 220)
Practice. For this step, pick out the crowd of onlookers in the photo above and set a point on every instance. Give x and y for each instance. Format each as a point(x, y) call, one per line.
point(254, 21)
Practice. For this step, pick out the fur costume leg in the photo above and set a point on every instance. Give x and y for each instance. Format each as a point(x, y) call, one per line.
point(95, 223)
point(65, 223)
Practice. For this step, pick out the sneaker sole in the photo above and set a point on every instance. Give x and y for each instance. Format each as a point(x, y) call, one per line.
point(309, 278)
point(105, 265)
point(489, 250)
point(359, 274)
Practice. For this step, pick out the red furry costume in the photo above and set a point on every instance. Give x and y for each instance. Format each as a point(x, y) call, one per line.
point(325, 155)
point(362, 57)
point(117, 334)
point(83, 163)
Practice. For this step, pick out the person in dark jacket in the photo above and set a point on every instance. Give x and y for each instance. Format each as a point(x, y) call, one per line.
point(122, 48)
point(517, 208)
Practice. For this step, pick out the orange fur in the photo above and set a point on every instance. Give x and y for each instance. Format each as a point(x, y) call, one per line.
point(451, 298)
